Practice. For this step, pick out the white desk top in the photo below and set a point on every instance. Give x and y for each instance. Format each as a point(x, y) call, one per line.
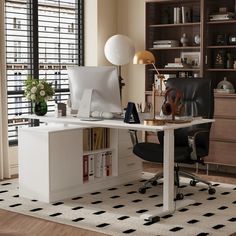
point(49, 118)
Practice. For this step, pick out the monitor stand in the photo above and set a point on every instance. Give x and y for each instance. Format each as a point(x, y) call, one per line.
point(85, 106)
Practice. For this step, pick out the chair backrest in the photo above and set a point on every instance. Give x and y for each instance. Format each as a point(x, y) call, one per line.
point(198, 100)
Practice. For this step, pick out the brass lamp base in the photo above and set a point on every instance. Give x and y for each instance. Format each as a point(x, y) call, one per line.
point(154, 122)
point(163, 122)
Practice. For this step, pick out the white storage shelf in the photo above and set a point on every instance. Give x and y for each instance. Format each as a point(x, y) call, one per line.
point(51, 163)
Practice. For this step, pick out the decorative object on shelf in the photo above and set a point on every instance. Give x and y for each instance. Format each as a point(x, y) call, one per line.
point(184, 40)
point(221, 39)
point(147, 58)
point(197, 39)
point(119, 50)
point(219, 59)
point(225, 86)
point(38, 92)
point(229, 61)
point(222, 16)
point(234, 64)
point(232, 39)
point(191, 58)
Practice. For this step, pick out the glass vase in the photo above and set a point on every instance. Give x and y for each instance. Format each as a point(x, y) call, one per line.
point(40, 108)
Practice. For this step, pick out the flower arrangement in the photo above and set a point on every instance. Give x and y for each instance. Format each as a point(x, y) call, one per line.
point(38, 90)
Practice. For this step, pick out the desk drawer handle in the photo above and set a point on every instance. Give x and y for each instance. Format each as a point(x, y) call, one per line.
point(130, 164)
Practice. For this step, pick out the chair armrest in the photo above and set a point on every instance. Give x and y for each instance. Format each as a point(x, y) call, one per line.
point(192, 135)
point(133, 136)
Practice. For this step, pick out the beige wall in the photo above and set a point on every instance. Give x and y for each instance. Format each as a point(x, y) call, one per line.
point(105, 18)
point(131, 22)
point(100, 24)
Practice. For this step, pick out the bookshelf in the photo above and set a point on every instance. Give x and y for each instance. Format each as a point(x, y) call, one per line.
point(54, 158)
point(161, 25)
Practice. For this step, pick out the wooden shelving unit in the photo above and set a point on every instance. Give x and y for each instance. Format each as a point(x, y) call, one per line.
point(160, 25)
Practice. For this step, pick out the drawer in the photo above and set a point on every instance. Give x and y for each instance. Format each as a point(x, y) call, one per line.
point(129, 164)
point(222, 153)
point(225, 107)
point(124, 152)
point(224, 129)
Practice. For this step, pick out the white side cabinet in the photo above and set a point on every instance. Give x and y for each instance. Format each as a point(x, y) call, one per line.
point(51, 162)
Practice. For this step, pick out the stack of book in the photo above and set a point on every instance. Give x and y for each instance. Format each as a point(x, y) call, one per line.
point(165, 43)
point(97, 165)
point(182, 15)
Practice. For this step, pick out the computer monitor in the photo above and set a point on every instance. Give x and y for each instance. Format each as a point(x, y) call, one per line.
point(94, 88)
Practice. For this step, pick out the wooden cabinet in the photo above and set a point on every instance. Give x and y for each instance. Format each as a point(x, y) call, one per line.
point(215, 55)
point(223, 132)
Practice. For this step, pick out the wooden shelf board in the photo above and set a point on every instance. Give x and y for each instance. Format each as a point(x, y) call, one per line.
point(221, 22)
point(222, 46)
point(175, 25)
point(222, 70)
point(176, 69)
point(176, 48)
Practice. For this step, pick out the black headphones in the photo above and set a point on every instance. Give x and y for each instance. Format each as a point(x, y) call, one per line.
point(172, 102)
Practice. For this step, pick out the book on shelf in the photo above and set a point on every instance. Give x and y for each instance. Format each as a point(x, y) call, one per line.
point(98, 165)
point(85, 168)
point(186, 14)
point(95, 138)
point(109, 163)
point(165, 43)
point(91, 166)
point(103, 164)
point(177, 65)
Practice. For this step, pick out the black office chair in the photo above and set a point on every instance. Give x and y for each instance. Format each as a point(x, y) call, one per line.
point(192, 143)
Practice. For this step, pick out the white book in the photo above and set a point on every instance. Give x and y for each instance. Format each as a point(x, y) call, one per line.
point(98, 173)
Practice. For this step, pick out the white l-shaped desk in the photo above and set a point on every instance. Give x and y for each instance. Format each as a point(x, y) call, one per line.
point(168, 168)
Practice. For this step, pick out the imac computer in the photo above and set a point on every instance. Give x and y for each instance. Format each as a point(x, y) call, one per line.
point(94, 91)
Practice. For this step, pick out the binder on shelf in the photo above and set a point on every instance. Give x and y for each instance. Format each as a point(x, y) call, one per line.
point(109, 163)
point(91, 167)
point(98, 165)
point(85, 168)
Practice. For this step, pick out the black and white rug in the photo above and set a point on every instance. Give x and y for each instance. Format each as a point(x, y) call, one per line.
point(116, 211)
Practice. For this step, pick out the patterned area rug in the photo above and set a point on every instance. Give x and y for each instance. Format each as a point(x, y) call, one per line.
point(116, 211)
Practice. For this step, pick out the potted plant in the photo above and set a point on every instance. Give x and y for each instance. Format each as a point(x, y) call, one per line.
point(38, 92)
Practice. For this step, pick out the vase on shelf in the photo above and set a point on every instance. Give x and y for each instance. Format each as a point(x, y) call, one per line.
point(40, 108)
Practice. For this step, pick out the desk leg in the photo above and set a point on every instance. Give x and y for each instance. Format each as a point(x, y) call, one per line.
point(168, 171)
point(168, 181)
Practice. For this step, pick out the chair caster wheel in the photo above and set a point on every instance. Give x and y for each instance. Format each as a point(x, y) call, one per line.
point(193, 182)
point(211, 191)
point(142, 190)
point(179, 196)
point(154, 183)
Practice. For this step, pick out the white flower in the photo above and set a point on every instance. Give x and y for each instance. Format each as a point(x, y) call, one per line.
point(28, 96)
point(32, 97)
point(41, 86)
point(33, 89)
point(42, 93)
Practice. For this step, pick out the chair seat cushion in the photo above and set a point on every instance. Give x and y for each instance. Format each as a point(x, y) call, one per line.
point(154, 152)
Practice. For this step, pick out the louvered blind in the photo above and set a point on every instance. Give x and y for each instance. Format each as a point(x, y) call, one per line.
point(43, 37)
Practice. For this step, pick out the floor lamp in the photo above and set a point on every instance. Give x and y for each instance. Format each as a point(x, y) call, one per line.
point(119, 50)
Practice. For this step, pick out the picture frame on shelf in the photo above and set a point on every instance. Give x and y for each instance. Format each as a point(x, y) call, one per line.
point(191, 58)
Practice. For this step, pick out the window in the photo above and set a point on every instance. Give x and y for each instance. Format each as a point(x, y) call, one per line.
point(42, 38)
